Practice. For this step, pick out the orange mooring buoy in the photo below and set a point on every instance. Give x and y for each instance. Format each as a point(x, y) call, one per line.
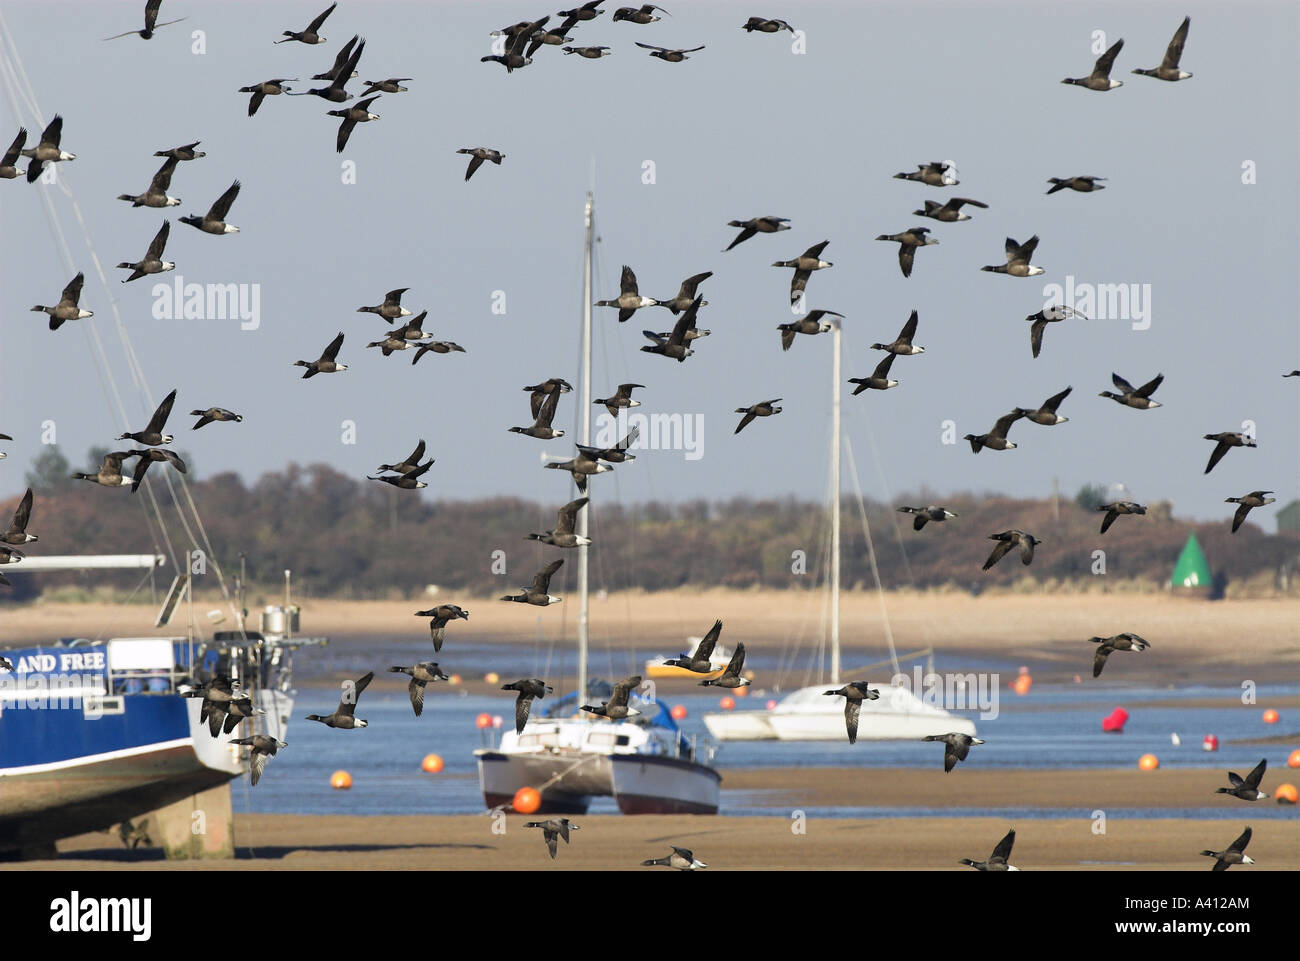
point(431, 764)
point(1148, 762)
point(1294, 759)
point(1286, 793)
point(678, 712)
point(340, 780)
point(727, 703)
point(1270, 716)
point(527, 800)
point(483, 721)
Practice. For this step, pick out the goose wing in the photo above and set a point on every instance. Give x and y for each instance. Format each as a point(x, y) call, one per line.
point(542, 579)
point(348, 702)
point(1239, 845)
point(623, 690)
point(316, 24)
point(1099, 660)
point(219, 209)
point(737, 662)
point(631, 438)
point(652, 47)
point(54, 132)
point(159, 242)
point(1239, 517)
point(744, 234)
point(72, 292)
point(332, 350)
point(565, 518)
point(1036, 336)
point(1055, 400)
point(1003, 850)
point(416, 690)
point(23, 514)
point(1003, 424)
point(852, 708)
point(998, 553)
point(627, 281)
point(744, 421)
point(690, 283)
point(159, 418)
point(163, 178)
point(1174, 52)
point(1217, 454)
point(1255, 776)
point(882, 368)
point(1149, 388)
point(1107, 60)
point(909, 329)
point(705, 649)
point(544, 412)
point(15, 148)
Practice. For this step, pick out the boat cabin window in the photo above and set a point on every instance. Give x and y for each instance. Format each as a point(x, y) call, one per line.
point(549, 739)
point(606, 739)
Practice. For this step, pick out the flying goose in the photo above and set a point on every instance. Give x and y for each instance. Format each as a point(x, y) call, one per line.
point(903, 343)
point(581, 467)
point(16, 532)
point(1009, 539)
point(616, 708)
point(391, 85)
point(478, 155)
point(1039, 321)
point(421, 674)
point(410, 463)
point(152, 262)
point(539, 392)
point(956, 747)
point(999, 860)
point(345, 716)
point(353, 115)
point(156, 195)
point(8, 170)
point(1233, 855)
point(1047, 415)
point(442, 615)
point(515, 58)
point(391, 308)
point(1136, 397)
point(686, 293)
point(1114, 510)
point(552, 830)
point(1018, 257)
point(622, 399)
point(149, 456)
point(759, 225)
point(67, 308)
point(996, 439)
point(1099, 79)
point(1294, 373)
point(642, 15)
point(763, 25)
point(1108, 645)
point(110, 473)
point(699, 662)
point(674, 345)
point(854, 693)
point(926, 514)
point(629, 299)
point(1246, 788)
point(949, 212)
point(588, 53)
point(267, 88)
point(213, 414)
point(1168, 69)
point(47, 150)
point(337, 92)
point(908, 241)
point(310, 35)
point(151, 24)
point(437, 347)
point(340, 63)
point(1083, 184)
point(804, 265)
point(214, 221)
point(326, 363)
point(6, 664)
point(234, 713)
point(879, 379)
point(541, 428)
point(681, 859)
point(934, 174)
point(528, 689)
point(536, 594)
point(667, 55)
point(396, 339)
point(763, 408)
point(551, 38)
point(152, 435)
point(1226, 441)
point(730, 678)
point(1253, 499)
point(409, 481)
point(9, 555)
point(263, 747)
point(588, 11)
point(809, 324)
point(183, 152)
point(562, 534)
point(618, 454)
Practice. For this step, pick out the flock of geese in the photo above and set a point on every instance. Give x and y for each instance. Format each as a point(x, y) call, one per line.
point(224, 705)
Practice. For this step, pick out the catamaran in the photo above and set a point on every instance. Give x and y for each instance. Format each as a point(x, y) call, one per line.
point(644, 763)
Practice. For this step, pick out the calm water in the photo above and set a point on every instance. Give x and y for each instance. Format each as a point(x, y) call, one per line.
point(1051, 727)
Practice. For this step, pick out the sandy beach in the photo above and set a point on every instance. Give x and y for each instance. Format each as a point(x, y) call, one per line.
point(611, 842)
point(1192, 640)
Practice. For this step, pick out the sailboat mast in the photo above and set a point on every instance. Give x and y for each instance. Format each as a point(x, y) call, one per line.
point(585, 406)
point(835, 502)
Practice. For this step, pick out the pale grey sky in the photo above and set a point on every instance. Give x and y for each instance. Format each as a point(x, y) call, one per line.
point(743, 128)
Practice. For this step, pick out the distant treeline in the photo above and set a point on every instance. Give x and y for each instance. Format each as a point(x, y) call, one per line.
point(353, 538)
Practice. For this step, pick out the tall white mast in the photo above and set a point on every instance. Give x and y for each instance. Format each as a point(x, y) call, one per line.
point(585, 406)
point(835, 502)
